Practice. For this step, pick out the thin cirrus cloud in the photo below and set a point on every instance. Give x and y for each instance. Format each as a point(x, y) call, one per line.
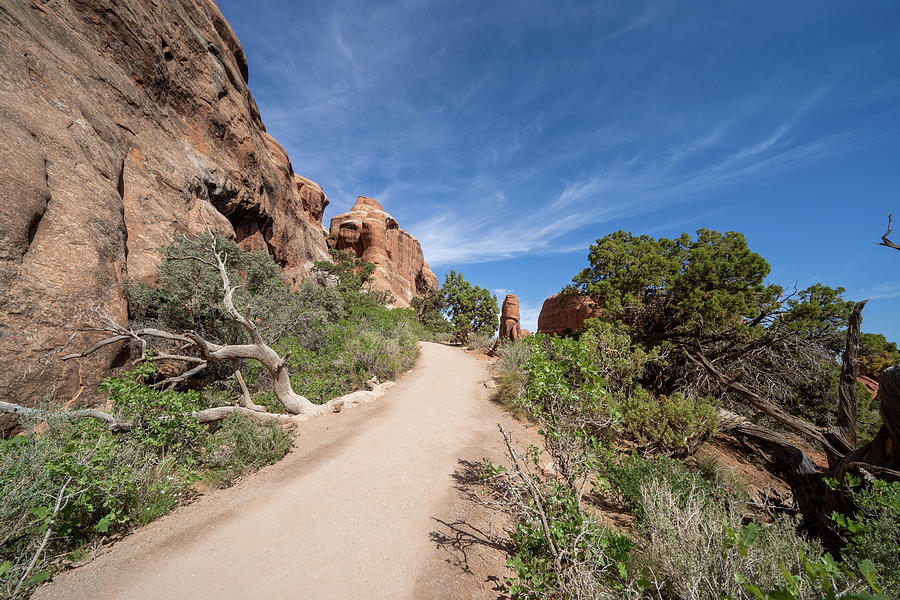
point(493, 131)
point(634, 187)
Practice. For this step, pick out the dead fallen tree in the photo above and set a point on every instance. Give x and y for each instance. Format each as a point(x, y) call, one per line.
point(880, 457)
point(297, 406)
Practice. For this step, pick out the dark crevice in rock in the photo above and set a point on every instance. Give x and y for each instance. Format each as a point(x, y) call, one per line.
point(121, 357)
point(33, 225)
point(246, 217)
point(36, 218)
point(120, 188)
point(120, 183)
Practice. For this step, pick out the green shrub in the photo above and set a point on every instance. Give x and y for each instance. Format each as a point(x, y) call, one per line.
point(665, 423)
point(626, 475)
point(381, 343)
point(873, 531)
point(595, 556)
point(694, 543)
point(110, 480)
point(162, 420)
point(510, 374)
point(597, 375)
point(239, 446)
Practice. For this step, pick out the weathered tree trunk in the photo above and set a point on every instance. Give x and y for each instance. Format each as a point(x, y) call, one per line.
point(791, 463)
point(881, 457)
point(843, 434)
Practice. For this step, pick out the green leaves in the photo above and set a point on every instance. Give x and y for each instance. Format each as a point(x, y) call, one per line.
point(824, 578)
point(818, 313)
point(470, 309)
point(662, 287)
point(35, 578)
point(352, 273)
point(741, 539)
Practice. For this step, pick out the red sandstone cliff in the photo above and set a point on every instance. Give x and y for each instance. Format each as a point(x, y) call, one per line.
point(561, 314)
point(374, 236)
point(122, 123)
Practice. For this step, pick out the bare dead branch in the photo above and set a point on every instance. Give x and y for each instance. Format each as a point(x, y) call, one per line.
point(246, 400)
point(170, 382)
point(884, 239)
point(97, 346)
point(796, 467)
point(163, 356)
point(248, 325)
point(534, 491)
point(284, 360)
point(882, 472)
point(113, 424)
point(211, 415)
point(765, 406)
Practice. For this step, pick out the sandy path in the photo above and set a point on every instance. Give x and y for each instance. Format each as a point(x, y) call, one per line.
point(368, 505)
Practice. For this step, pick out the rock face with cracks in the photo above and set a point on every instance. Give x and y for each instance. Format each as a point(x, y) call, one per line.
point(122, 125)
point(374, 236)
point(564, 313)
point(510, 320)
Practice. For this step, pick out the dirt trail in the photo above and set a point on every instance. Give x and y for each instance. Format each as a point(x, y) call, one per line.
point(371, 504)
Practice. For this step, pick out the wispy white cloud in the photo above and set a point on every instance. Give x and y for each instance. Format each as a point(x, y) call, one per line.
point(345, 50)
point(633, 186)
point(486, 149)
point(878, 292)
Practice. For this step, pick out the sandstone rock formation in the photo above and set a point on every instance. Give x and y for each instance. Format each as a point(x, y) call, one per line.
point(562, 314)
point(510, 321)
point(374, 236)
point(122, 124)
point(870, 383)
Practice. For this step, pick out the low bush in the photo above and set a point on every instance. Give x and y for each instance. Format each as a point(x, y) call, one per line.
point(510, 374)
point(696, 541)
point(587, 555)
point(690, 543)
point(240, 445)
point(666, 424)
point(873, 532)
point(626, 474)
point(73, 483)
point(561, 550)
point(78, 481)
point(597, 375)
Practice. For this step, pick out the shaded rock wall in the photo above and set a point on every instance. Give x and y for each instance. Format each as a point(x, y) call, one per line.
point(123, 124)
point(562, 314)
point(374, 236)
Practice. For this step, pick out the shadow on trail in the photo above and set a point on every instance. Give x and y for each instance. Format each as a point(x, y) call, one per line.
point(461, 538)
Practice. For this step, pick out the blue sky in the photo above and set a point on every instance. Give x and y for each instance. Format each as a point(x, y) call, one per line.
point(508, 136)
